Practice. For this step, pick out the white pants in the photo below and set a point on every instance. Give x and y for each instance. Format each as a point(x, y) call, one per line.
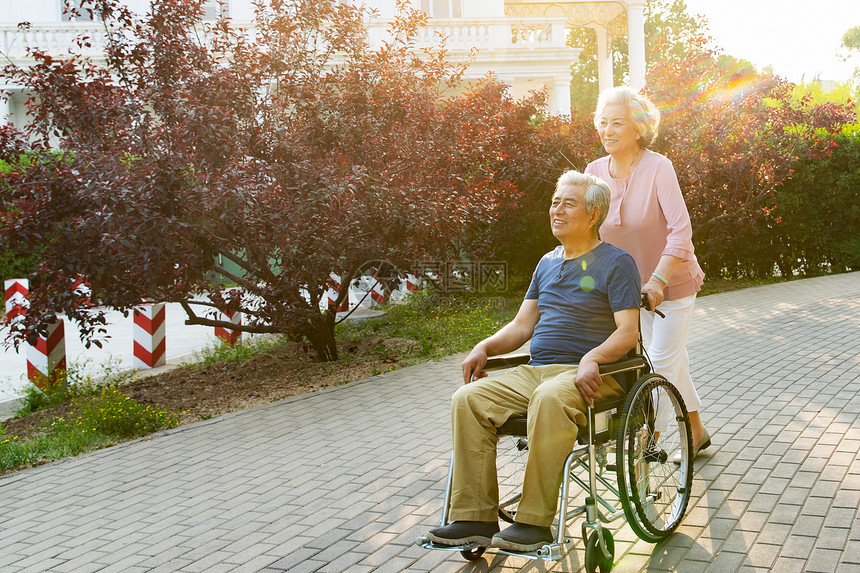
point(665, 340)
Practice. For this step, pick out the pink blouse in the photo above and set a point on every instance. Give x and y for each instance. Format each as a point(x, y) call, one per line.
point(648, 218)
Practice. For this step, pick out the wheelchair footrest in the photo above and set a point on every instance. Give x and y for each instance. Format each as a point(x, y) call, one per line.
point(425, 543)
point(549, 552)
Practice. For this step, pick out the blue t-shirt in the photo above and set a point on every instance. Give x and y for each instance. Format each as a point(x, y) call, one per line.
point(577, 299)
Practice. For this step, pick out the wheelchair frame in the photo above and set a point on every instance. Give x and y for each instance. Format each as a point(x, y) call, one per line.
point(641, 481)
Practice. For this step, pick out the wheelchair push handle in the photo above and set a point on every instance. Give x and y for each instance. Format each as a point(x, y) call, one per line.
point(647, 306)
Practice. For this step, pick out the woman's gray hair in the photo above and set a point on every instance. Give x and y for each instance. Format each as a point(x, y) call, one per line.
point(643, 112)
point(597, 193)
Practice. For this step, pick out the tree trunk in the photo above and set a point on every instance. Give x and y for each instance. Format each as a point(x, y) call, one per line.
point(321, 336)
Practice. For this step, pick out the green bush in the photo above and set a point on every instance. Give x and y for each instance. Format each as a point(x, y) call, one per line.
point(818, 210)
point(15, 265)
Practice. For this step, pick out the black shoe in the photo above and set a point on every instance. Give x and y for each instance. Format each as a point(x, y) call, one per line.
point(523, 538)
point(463, 532)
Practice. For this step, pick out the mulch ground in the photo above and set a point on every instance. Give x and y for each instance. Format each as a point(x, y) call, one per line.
point(204, 392)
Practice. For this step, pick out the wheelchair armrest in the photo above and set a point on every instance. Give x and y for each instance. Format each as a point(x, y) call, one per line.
point(508, 361)
point(632, 362)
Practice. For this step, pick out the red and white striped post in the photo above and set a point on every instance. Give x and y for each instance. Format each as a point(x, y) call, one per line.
point(331, 293)
point(17, 299)
point(377, 289)
point(411, 282)
point(46, 361)
point(149, 338)
point(83, 291)
point(228, 335)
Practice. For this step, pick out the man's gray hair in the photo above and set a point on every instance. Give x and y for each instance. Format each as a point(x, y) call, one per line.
point(597, 193)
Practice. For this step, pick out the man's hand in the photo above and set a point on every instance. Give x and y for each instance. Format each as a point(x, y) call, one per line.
point(588, 381)
point(473, 365)
point(510, 337)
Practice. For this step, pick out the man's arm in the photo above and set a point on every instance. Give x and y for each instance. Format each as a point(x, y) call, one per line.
point(510, 337)
point(613, 348)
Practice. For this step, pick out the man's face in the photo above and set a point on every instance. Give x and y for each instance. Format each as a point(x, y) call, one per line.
point(567, 215)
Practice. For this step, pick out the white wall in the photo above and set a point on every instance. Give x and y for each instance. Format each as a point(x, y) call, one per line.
point(241, 10)
point(483, 8)
point(34, 11)
point(45, 11)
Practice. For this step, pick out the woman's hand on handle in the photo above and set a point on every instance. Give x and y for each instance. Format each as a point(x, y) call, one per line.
point(660, 280)
point(653, 289)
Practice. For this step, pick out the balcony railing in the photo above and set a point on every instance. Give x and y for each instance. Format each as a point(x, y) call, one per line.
point(56, 39)
point(486, 34)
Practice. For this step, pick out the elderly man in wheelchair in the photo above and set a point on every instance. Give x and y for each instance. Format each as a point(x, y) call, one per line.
point(581, 313)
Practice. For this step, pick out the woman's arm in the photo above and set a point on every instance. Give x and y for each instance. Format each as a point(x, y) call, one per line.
point(679, 242)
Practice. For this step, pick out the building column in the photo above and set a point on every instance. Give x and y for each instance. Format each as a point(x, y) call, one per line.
point(604, 60)
point(561, 95)
point(636, 42)
point(7, 110)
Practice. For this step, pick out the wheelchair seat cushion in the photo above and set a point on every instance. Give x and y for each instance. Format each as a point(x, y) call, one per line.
point(516, 426)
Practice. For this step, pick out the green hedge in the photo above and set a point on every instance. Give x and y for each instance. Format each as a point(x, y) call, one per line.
point(818, 210)
point(813, 229)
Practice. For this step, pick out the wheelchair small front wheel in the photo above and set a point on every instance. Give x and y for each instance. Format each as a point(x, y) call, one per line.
point(594, 557)
point(654, 429)
point(473, 554)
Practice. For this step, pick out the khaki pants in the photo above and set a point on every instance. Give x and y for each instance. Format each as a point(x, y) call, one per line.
point(555, 409)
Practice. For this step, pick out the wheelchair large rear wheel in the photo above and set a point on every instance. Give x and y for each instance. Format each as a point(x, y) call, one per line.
point(654, 429)
point(512, 453)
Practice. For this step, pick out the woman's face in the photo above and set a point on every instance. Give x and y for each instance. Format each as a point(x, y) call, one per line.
point(618, 133)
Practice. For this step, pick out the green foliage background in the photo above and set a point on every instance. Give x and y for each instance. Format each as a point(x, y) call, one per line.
point(819, 210)
point(15, 263)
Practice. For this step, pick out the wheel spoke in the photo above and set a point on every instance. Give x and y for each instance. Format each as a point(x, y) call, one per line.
point(655, 491)
point(510, 469)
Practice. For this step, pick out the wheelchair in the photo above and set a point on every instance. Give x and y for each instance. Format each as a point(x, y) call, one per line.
point(633, 438)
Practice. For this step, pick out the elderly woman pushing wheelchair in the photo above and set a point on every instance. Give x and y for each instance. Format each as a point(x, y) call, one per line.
point(647, 218)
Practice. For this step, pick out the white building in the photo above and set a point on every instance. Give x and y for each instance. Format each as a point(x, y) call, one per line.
point(523, 41)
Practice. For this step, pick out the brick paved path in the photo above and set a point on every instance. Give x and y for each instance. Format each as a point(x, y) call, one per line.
point(346, 479)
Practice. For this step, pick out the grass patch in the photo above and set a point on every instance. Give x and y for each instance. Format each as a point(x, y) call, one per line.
point(95, 421)
point(438, 325)
point(77, 385)
point(241, 351)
